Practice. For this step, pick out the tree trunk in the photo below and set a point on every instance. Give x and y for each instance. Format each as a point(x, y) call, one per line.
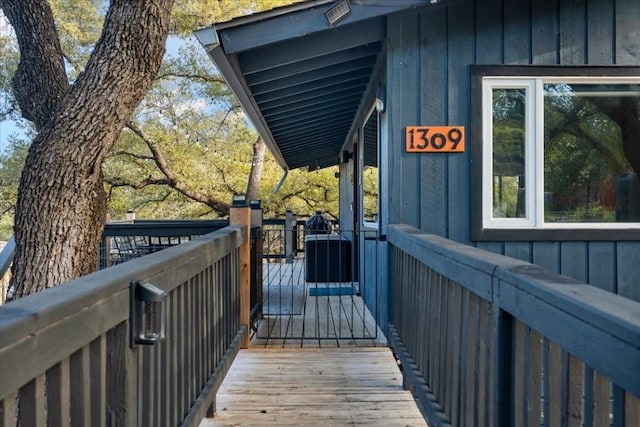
point(61, 206)
point(255, 175)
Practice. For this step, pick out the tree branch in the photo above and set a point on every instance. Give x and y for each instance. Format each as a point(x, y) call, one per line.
point(206, 78)
point(40, 81)
point(172, 180)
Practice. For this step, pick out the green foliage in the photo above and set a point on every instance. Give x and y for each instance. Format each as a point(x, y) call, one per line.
point(189, 15)
point(583, 156)
point(192, 142)
point(10, 55)
point(11, 164)
point(79, 24)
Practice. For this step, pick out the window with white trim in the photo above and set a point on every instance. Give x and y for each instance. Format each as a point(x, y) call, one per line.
point(369, 172)
point(560, 152)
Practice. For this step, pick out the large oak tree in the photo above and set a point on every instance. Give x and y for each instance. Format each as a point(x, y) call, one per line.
point(61, 207)
point(63, 245)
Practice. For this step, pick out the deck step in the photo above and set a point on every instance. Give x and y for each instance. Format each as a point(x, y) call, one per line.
point(315, 387)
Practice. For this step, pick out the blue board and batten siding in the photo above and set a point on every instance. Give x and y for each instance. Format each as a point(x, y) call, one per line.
point(428, 83)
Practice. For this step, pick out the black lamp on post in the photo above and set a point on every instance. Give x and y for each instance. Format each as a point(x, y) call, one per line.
point(239, 201)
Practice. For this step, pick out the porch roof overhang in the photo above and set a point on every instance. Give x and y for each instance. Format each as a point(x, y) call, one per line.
point(301, 80)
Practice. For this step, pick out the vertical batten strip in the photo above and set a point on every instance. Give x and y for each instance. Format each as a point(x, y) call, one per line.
point(601, 399)
point(556, 384)
point(632, 409)
point(9, 411)
point(534, 391)
point(576, 393)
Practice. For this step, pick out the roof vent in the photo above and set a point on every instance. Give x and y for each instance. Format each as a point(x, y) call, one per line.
point(337, 12)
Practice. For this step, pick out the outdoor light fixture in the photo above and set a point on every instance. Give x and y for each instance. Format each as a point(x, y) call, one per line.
point(148, 313)
point(337, 12)
point(239, 200)
point(381, 99)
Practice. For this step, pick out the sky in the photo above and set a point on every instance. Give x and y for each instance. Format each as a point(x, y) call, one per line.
point(9, 127)
point(6, 127)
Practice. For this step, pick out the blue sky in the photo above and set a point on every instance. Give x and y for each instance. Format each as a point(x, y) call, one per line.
point(9, 127)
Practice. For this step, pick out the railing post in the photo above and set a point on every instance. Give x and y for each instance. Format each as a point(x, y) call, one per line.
point(121, 394)
point(256, 221)
point(240, 214)
point(291, 245)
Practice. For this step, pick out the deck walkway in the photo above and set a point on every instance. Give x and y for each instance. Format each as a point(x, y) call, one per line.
point(308, 314)
point(316, 358)
point(314, 387)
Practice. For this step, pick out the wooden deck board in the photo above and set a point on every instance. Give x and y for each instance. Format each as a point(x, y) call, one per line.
point(321, 321)
point(314, 387)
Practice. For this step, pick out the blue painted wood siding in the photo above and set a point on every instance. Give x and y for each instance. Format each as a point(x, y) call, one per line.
point(428, 82)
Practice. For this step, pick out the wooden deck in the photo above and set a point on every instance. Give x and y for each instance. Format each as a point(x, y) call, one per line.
point(314, 387)
point(314, 360)
point(296, 316)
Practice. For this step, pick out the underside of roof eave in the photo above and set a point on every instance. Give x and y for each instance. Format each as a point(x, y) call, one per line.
point(209, 39)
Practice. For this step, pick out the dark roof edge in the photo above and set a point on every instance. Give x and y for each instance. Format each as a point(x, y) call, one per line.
point(302, 20)
point(209, 40)
point(272, 13)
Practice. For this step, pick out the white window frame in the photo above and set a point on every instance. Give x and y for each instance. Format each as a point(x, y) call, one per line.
point(534, 152)
point(368, 225)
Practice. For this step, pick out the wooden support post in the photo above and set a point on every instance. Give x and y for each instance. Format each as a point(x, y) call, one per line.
point(240, 214)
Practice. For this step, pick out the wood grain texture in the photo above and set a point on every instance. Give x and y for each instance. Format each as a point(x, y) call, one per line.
point(627, 37)
point(573, 32)
point(433, 111)
point(600, 35)
point(461, 53)
point(544, 32)
point(517, 32)
point(315, 387)
point(489, 32)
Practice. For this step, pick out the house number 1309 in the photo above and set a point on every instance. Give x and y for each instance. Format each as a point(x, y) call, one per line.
point(435, 139)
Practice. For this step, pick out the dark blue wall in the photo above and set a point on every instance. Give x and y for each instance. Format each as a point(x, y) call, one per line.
point(428, 82)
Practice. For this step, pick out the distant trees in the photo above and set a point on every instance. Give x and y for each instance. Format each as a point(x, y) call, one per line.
point(178, 152)
point(61, 205)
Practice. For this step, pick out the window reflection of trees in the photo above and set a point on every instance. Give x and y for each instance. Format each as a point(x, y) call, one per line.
point(508, 152)
point(592, 152)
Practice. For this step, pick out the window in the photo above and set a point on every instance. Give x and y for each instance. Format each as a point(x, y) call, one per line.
point(370, 175)
point(559, 152)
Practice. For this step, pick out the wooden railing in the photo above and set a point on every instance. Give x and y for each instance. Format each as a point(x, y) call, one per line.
point(65, 354)
point(488, 340)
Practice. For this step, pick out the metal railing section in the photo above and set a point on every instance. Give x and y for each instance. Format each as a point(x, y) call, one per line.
point(124, 241)
point(317, 294)
point(489, 340)
point(65, 352)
